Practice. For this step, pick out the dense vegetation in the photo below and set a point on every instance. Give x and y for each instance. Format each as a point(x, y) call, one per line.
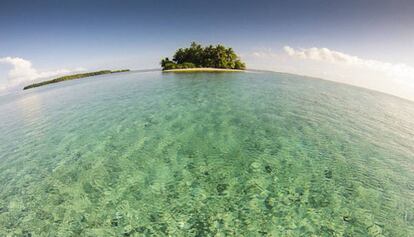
point(197, 56)
point(72, 77)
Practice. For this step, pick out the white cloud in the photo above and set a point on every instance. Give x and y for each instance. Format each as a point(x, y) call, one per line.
point(22, 72)
point(331, 56)
point(392, 78)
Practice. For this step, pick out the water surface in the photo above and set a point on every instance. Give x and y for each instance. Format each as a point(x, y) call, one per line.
point(238, 154)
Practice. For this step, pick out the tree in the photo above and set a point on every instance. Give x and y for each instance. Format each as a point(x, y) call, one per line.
point(239, 65)
point(164, 62)
point(197, 56)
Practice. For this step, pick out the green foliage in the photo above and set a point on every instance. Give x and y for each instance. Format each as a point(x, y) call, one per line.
point(197, 56)
point(239, 65)
point(122, 70)
point(72, 77)
point(187, 65)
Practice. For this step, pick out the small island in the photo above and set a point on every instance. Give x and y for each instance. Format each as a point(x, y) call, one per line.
point(73, 77)
point(203, 59)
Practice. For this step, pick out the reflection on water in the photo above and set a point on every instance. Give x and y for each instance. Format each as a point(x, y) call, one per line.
point(254, 154)
point(30, 110)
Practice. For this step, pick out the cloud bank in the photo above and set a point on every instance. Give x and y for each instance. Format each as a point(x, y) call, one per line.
point(22, 71)
point(331, 56)
point(391, 78)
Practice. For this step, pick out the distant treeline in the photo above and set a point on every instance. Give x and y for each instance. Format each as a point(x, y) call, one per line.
point(197, 56)
point(72, 77)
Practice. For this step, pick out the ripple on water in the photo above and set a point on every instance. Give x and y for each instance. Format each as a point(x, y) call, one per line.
point(206, 154)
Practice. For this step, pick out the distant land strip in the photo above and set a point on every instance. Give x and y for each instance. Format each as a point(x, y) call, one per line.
point(73, 77)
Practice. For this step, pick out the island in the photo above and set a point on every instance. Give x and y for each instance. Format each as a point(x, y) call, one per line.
point(73, 77)
point(197, 58)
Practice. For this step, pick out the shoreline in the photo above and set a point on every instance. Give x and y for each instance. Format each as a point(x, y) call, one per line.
point(203, 69)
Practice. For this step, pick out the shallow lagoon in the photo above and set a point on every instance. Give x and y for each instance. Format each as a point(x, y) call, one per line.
point(203, 154)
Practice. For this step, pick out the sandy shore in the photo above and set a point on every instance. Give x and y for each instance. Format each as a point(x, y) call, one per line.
point(203, 69)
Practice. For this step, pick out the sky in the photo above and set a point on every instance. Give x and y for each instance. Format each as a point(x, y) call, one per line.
point(368, 43)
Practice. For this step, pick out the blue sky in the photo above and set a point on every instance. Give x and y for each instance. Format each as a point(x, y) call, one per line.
point(65, 36)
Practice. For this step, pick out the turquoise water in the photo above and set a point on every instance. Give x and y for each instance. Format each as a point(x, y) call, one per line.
point(236, 154)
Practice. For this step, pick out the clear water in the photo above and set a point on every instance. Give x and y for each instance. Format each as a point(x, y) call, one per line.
point(238, 154)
